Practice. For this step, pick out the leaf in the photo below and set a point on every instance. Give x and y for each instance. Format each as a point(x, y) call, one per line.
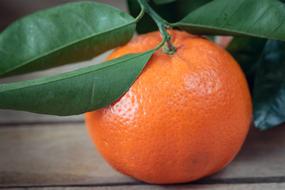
point(269, 87)
point(177, 8)
point(75, 92)
point(263, 62)
point(257, 18)
point(69, 33)
point(247, 51)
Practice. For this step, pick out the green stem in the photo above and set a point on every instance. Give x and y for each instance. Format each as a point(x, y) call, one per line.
point(162, 24)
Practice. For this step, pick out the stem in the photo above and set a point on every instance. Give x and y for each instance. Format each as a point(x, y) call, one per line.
point(162, 26)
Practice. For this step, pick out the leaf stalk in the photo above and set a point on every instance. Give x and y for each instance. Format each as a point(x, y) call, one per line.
point(162, 25)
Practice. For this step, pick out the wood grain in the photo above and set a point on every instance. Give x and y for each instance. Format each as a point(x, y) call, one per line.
point(51, 155)
point(64, 155)
point(13, 118)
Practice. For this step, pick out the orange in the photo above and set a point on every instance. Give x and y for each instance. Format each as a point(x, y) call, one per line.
point(184, 118)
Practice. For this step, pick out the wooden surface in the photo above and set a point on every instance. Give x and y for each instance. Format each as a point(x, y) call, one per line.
point(58, 154)
point(47, 152)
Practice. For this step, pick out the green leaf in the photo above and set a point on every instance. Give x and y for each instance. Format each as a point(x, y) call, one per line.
point(247, 51)
point(75, 92)
point(257, 18)
point(263, 62)
point(69, 33)
point(269, 87)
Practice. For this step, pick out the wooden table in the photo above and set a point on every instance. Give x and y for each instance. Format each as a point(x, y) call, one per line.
point(47, 152)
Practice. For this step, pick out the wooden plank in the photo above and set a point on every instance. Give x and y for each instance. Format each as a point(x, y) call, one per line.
point(64, 155)
point(51, 155)
point(259, 186)
point(8, 118)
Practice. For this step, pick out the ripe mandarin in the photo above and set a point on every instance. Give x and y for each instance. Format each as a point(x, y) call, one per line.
point(184, 118)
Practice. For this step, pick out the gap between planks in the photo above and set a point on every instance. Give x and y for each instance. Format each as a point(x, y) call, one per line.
point(39, 123)
point(204, 182)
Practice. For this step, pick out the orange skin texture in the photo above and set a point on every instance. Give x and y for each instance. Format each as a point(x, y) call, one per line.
point(184, 118)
